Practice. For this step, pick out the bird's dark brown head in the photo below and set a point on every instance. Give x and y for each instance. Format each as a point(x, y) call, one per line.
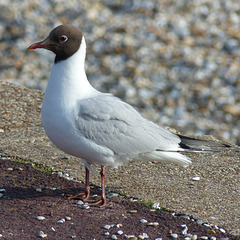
point(63, 40)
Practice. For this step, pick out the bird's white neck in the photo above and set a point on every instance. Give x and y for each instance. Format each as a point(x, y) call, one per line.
point(68, 81)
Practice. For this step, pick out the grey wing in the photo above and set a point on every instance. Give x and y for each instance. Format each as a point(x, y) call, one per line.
point(111, 123)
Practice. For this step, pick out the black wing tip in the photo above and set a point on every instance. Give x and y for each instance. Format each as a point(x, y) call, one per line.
point(194, 144)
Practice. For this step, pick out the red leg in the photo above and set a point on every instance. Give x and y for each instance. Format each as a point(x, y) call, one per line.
point(84, 195)
point(102, 201)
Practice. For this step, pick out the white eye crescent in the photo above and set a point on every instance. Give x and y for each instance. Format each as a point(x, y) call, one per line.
point(63, 38)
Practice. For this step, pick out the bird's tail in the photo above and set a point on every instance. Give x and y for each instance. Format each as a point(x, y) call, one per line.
point(188, 144)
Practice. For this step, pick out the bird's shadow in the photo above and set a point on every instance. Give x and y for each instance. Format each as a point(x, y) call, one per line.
point(11, 193)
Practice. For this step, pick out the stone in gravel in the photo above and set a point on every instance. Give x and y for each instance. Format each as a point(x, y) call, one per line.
point(79, 202)
point(143, 221)
point(67, 218)
point(119, 225)
point(194, 237)
point(133, 211)
point(114, 237)
point(143, 236)
point(154, 224)
point(1, 194)
point(204, 238)
point(85, 206)
point(2, 190)
point(158, 239)
point(107, 227)
point(110, 195)
point(156, 205)
point(61, 220)
point(38, 189)
point(10, 169)
point(222, 230)
point(120, 232)
point(132, 237)
point(200, 222)
point(40, 218)
point(174, 235)
point(106, 233)
point(187, 238)
point(224, 238)
point(42, 234)
point(184, 231)
point(195, 178)
point(53, 229)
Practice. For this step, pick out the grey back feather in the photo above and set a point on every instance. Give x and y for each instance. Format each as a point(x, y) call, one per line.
point(111, 123)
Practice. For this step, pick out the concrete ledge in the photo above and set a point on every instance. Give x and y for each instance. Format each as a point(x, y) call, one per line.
point(214, 198)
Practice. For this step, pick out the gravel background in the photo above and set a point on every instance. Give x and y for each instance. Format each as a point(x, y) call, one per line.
point(177, 62)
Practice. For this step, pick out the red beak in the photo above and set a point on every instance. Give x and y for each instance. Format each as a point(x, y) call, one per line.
point(41, 44)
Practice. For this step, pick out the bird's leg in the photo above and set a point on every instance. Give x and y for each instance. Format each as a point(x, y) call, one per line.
point(102, 201)
point(84, 195)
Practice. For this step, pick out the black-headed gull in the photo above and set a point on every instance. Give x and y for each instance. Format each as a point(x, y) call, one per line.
point(98, 127)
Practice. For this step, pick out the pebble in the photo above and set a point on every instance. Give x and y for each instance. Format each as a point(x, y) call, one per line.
point(10, 169)
point(79, 202)
point(120, 232)
point(200, 222)
point(53, 229)
point(110, 195)
point(213, 238)
point(40, 218)
point(222, 230)
point(1, 194)
point(38, 189)
point(119, 225)
point(106, 233)
point(143, 221)
point(154, 224)
point(132, 211)
point(114, 237)
point(204, 238)
point(132, 237)
point(194, 237)
point(68, 218)
point(174, 235)
point(42, 234)
point(195, 178)
point(2, 190)
point(85, 206)
point(107, 227)
point(184, 231)
point(158, 239)
point(156, 205)
point(61, 220)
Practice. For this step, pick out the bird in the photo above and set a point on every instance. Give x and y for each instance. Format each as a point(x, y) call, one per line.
point(98, 127)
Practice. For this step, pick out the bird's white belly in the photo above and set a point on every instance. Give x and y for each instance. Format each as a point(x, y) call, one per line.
point(61, 129)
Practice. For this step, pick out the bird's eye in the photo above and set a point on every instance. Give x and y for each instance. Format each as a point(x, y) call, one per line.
point(63, 38)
